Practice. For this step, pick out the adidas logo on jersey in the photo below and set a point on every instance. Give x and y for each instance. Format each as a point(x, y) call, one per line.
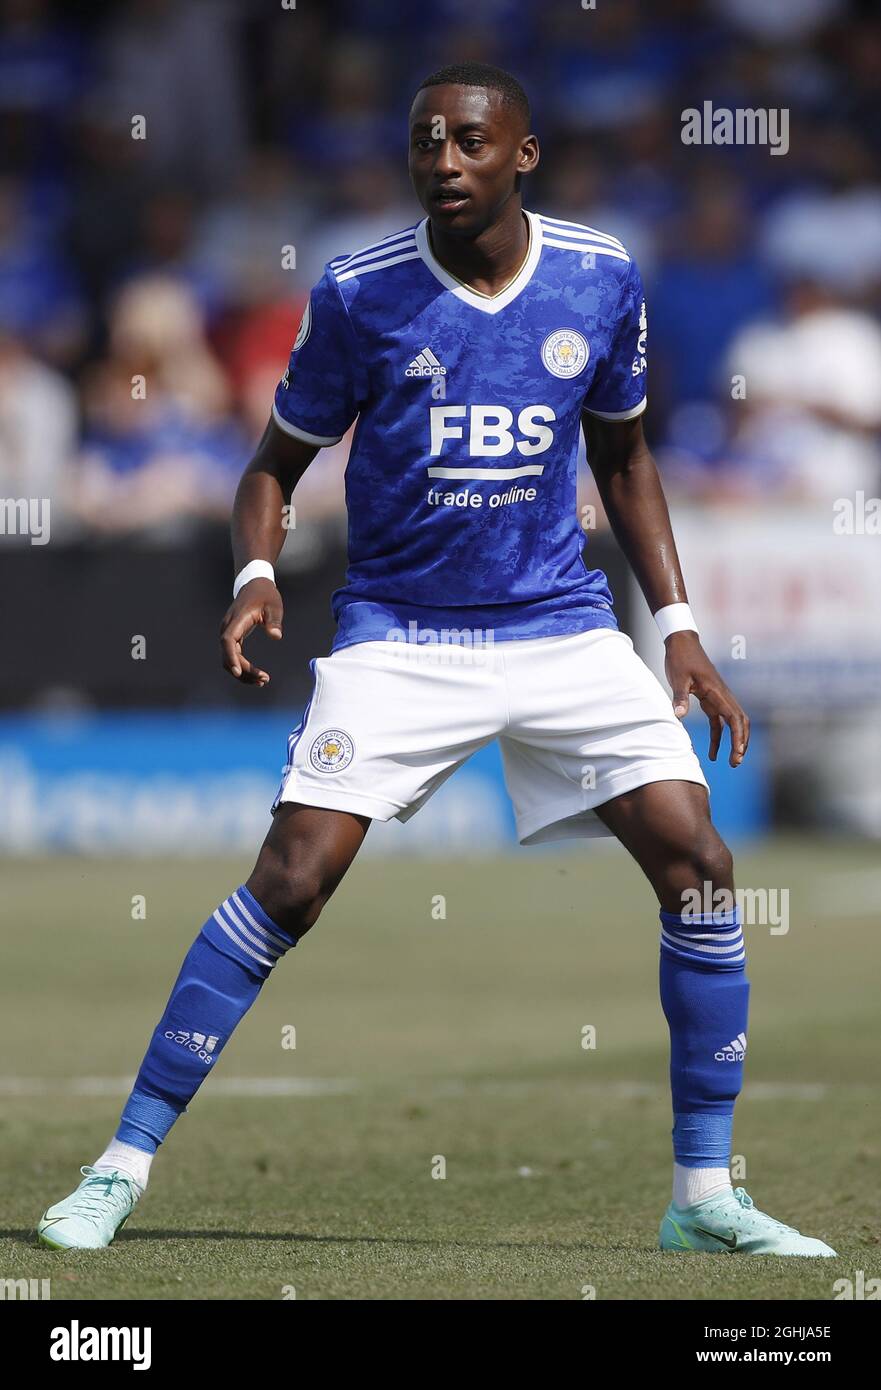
point(733, 1051)
point(426, 364)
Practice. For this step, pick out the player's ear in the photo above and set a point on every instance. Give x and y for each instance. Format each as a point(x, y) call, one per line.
point(528, 157)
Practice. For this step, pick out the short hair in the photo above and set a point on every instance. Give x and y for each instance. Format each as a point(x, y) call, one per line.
point(483, 75)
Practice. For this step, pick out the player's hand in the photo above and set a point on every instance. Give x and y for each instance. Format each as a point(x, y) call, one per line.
point(691, 672)
point(258, 604)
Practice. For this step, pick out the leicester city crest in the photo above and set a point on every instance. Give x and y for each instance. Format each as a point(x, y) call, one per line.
point(565, 352)
point(331, 751)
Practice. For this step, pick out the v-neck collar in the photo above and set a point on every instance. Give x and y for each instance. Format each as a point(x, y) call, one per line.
point(488, 304)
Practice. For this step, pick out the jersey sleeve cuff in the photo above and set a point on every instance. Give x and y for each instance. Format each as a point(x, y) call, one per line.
point(630, 414)
point(321, 439)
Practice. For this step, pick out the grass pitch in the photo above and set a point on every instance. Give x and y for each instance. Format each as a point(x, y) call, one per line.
point(421, 1039)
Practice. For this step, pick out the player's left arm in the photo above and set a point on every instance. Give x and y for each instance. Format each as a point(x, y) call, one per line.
point(630, 488)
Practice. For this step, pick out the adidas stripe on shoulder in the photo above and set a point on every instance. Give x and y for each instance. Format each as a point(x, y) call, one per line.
point(391, 250)
point(575, 236)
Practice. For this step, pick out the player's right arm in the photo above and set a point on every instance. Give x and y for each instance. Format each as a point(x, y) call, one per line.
point(315, 403)
point(631, 492)
point(258, 533)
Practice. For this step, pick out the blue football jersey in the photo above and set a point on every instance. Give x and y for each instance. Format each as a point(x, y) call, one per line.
point(461, 481)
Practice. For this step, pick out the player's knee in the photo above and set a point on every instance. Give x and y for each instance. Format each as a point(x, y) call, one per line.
point(292, 891)
point(703, 863)
point(712, 862)
point(303, 896)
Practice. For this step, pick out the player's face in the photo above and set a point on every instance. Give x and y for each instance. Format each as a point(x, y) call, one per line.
point(467, 146)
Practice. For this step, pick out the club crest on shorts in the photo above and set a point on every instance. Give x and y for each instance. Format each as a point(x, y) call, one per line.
point(331, 751)
point(565, 352)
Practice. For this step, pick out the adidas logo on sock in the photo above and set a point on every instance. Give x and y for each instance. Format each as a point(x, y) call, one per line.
point(426, 364)
point(734, 1051)
point(194, 1042)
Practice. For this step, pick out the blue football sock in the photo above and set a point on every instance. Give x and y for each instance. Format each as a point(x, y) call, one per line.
point(220, 978)
point(705, 998)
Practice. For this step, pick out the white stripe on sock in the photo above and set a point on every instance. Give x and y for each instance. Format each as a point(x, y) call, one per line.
point(235, 921)
point(238, 941)
point(256, 925)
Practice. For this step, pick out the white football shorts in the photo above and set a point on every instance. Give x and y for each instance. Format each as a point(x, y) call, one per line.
point(580, 719)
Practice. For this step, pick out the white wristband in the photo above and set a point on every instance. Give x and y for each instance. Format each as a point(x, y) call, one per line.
point(254, 569)
point(676, 617)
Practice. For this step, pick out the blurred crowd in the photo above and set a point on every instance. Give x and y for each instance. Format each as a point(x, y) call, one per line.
point(150, 287)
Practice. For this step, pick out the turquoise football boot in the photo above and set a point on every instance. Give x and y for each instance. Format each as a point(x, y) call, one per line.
point(729, 1222)
point(91, 1216)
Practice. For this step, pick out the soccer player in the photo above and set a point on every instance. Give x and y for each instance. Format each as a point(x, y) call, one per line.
point(472, 347)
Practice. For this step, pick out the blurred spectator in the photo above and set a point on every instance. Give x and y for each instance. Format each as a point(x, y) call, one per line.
point(38, 428)
point(111, 186)
point(784, 20)
point(164, 246)
point(613, 64)
point(810, 420)
point(831, 236)
point(255, 351)
point(43, 70)
point(352, 121)
point(239, 241)
point(708, 286)
point(145, 466)
point(160, 447)
point(38, 289)
point(157, 330)
point(177, 64)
